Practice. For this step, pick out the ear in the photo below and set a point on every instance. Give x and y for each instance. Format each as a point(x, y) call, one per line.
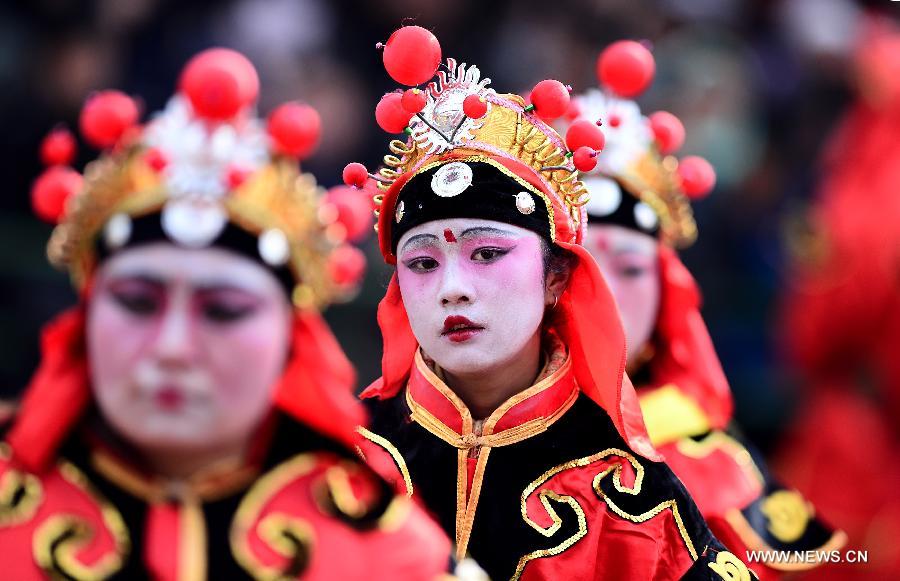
point(554, 285)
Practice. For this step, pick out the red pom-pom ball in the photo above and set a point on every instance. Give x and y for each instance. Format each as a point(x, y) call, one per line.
point(106, 116)
point(390, 114)
point(697, 176)
point(346, 265)
point(219, 82)
point(354, 211)
point(668, 132)
point(295, 129)
point(475, 106)
point(626, 67)
point(584, 158)
point(52, 189)
point(412, 55)
point(413, 100)
point(355, 175)
point(550, 99)
point(584, 133)
point(58, 148)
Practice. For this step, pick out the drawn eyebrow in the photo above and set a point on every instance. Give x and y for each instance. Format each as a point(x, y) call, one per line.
point(482, 230)
point(419, 241)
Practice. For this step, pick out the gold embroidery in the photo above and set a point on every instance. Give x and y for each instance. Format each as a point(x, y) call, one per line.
point(215, 483)
point(395, 455)
point(292, 538)
point(58, 539)
point(788, 514)
point(551, 530)
point(719, 440)
point(671, 415)
point(727, 566)
point(20, 496)
point(754, 542)
point(192, 541)
point(251, 506)
point(483, 442)
point(616, 472)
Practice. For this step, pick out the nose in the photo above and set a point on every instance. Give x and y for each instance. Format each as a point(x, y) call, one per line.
point(175, 344)
point(456, 286)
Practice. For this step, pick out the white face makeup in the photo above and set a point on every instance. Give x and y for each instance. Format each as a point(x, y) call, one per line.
point(474, 291)
point(185, 346)
point(629, 261)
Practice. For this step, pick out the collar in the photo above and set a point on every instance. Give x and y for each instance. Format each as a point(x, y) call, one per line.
point(670, 414)
point(439, 410)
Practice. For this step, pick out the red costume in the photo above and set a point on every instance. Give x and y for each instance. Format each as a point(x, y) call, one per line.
point(75, 501)
point(841, 318)
point(683, 392)
point(560, 480)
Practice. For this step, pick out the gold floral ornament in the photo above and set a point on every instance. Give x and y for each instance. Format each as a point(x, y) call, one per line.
point(638, 154)
point(457, 116)
point(201, 164)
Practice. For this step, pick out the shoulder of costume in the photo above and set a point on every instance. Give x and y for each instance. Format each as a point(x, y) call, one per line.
point(334, 506)
point(56, 523)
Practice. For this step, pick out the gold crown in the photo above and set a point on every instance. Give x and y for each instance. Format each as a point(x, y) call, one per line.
point(654, 180)
point(507, 129)
point(275, 201)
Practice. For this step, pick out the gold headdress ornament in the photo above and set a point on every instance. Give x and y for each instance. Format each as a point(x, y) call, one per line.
point(638, 154)
point(457, 117)
point(202, 163)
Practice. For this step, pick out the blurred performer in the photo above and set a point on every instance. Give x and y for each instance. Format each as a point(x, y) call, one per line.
point(638, 212)
point(841, 319)
point(503, 404)
point(193, 417)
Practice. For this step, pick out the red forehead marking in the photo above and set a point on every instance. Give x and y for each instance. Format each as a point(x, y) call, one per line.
point(448, 235)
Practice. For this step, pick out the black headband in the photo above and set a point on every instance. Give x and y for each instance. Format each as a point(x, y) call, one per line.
point(148, 229)
point(470, 189)
point(620, 207)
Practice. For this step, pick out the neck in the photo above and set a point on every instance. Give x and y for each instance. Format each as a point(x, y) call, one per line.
point(182, 464)
point(485, 391)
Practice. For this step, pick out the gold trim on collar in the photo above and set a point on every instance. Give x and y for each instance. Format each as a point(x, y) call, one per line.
point(215, 483)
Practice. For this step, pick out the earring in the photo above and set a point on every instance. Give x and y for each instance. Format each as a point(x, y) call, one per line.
point(555, 301)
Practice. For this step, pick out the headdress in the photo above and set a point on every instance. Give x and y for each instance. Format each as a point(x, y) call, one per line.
point(473, 152)
point(204, 171)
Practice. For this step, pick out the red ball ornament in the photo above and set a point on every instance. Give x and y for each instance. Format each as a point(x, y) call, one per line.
point(412, 55)
point(668, 132)
point(58, 148)
point(475, 106)
point(355, 175)
point(295, 129)
point(52, 189)
point(413, 100)
point(346, 265)
point(390, 114)
point(354, 211)
point(236, 176)
point(697, 176)
point(106, 116)
point(573, 111)
point(626, 67)
point(584, 133)
point(584, 158)
point(550, 99)
point(219, 82)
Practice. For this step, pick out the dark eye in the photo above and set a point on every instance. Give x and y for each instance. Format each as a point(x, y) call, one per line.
point(633, 271)
point(222, 313)
point(423, 264)
point(488, 254)
point(137, 303)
